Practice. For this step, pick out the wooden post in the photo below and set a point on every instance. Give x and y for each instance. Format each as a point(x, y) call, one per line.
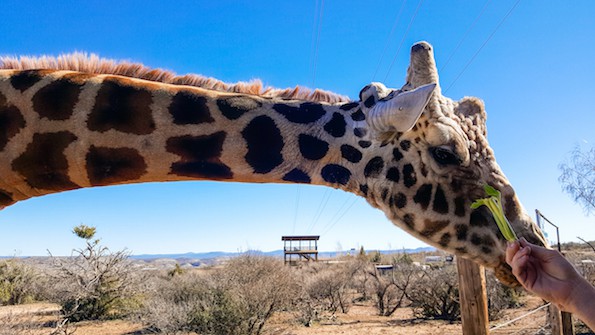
point(567, 324)
point(473, 297)
point(555, 320)
point(560, 322)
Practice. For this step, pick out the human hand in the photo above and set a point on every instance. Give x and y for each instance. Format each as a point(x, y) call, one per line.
point(545, 272)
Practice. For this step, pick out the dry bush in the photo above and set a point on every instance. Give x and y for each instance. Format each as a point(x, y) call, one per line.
point(238, 298)
point(33, 323)
point(17, 282)
point(435, 294)
point(501, 297)
point(94, 284)
point(360, 282)
point(260, 285)
point(173, 302)
point(327, 288)
point(391, 288)
point(11, 324)
point(588, 271)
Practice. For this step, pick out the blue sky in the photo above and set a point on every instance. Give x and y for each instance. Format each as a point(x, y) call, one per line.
point(535, 74)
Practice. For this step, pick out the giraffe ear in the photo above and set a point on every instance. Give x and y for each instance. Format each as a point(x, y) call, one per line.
point(400, 110)
point(372, 93)
point(473, 109)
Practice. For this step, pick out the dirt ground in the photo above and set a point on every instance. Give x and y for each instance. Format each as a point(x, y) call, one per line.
point(40, 318)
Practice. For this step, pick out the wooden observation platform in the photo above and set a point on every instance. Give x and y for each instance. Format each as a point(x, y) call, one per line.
point(300, 248)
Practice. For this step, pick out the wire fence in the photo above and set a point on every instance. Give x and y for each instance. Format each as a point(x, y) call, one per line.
point(519, 318)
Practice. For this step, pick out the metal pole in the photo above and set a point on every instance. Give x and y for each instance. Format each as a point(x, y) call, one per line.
point(561, 319)
point(539, 215)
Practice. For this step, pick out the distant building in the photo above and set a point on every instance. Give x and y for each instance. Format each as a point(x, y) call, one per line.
point(303, 248)
point(433, 259)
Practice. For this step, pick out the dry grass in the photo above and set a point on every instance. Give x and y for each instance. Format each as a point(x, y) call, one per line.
point(34, 319)
point(44, 319)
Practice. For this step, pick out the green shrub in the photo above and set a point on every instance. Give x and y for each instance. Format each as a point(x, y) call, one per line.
point(17, 282)
point(96, 283)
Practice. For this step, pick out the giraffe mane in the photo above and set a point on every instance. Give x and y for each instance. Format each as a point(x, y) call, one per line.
point(92, 63)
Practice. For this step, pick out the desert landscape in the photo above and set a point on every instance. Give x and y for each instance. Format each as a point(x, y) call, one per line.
point(257, 294)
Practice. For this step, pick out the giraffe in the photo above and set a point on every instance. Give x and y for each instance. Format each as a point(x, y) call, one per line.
point(421, 158)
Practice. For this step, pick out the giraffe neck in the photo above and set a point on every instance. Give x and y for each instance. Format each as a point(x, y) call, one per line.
point(64, 130)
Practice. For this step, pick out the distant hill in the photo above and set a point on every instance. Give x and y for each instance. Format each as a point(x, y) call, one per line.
point(274, 253)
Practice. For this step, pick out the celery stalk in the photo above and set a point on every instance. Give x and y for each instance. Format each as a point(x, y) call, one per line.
point(494, 204)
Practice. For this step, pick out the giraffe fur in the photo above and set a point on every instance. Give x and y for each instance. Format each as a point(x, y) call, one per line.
point(418, 156)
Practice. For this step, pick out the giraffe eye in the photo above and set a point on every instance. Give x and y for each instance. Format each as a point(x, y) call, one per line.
point(445, 156)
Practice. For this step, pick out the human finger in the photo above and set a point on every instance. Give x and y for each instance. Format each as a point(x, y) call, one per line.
point(511, 250)
point(520, 263)
point(538, 251)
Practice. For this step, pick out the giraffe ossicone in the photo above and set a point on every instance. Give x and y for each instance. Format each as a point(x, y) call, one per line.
point(77, 121)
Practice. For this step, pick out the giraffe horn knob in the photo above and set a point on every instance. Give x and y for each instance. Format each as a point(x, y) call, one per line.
point(400, 111)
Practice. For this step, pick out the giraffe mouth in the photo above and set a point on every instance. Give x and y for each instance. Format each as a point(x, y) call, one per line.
point(482, 217)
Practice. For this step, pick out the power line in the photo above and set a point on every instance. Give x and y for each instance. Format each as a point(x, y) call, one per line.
point(321, 206)
point(320, 12)
point(403, 39)
point(313, 41)
point(483, 45)
point(392, 31)
point(465, 35)
point(297, 205)
point(330, 227)
point(316, 28)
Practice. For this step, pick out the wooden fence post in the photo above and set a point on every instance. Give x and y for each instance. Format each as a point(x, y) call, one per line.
point(473, 297)
point(560, 322)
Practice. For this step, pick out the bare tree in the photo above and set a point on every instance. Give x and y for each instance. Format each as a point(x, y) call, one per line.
point(587, 242)
point(578, 178)
point(391, 289)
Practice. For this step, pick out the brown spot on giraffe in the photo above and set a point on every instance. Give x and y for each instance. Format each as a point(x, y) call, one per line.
point(108, 166)
point(235, 106)
point(199, 156)
point(460, 206)
point(409, 220)
point(56, 100)
point(431, 227)
point(43, 164)
point(423, 196)
point(400, 200)
point(440, 204)
point(445, 239)
point(6, 198)
point(11, 121)
point(25, 79)
point(122, 107)
point(188, 108)
point(461, 231)
point(511, 210)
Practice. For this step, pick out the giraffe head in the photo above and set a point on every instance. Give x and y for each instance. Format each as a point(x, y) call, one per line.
point(436, 161)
